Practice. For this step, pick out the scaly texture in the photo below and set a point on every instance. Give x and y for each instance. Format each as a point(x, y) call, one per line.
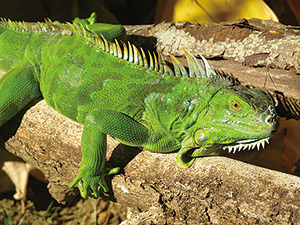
point(116, 89)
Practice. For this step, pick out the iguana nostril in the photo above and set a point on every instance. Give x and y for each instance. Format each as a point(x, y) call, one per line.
point(270, 120)
point(273, 121)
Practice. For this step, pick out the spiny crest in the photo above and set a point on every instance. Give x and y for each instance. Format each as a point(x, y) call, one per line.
point(126, 52)
point(157, 63)
point(47, 27)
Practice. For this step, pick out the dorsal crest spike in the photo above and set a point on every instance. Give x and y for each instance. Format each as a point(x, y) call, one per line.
point(178, 67)
point(155, 62)
point(72, 27)
point(140, 58)
point(191, 62)
point(130, 53)
point(102, 46)
point(106, 46)
point(111, 48)
point(145, 63)
point(135, 55)
point(196, 68)
point(119, 51)
point(165, 68)
point(83, 31)
point(125, 51)
point(48, 23)
point(209, 71)
point(151, 66)
point(160, 63)
point(114, 49)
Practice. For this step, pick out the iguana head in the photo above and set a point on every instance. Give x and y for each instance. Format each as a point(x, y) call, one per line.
point(237, 118)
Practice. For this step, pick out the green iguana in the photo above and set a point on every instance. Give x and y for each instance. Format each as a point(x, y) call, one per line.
point(115, 89)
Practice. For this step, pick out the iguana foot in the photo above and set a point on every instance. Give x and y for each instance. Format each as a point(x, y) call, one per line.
point(90, 184)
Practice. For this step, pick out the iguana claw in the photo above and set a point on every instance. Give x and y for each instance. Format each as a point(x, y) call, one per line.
point(90, 184)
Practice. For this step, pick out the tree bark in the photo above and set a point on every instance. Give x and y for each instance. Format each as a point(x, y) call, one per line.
point(214, 190)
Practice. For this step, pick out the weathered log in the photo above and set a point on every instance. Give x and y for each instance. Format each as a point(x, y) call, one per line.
point(217, 190)
point(252, 42)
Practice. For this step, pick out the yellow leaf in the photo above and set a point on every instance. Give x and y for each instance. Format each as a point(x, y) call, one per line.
point(203, 11)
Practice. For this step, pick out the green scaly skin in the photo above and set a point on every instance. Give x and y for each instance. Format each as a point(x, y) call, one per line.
point(80, 76)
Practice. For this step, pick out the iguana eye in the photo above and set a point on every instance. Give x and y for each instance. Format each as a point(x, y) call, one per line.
point(235, 105)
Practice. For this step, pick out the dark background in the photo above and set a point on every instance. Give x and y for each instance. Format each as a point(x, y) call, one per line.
point(114, 11)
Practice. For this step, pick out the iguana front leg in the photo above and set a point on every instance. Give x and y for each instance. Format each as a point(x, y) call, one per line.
point(97, 124)
point(17, 88)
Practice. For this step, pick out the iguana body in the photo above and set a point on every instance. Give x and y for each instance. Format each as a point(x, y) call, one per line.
point(114, 91)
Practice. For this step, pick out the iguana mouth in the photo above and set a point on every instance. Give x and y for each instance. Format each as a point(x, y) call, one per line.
point(244, 144)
